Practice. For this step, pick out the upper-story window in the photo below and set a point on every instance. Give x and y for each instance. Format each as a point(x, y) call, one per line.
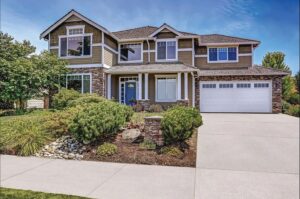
point(166, 50)
point(75, 43)
point(131, 52)
point(223, 54)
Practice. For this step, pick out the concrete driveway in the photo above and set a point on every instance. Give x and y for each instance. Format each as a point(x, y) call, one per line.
point(248, 156)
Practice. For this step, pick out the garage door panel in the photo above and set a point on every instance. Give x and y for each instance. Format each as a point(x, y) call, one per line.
point(235, 99)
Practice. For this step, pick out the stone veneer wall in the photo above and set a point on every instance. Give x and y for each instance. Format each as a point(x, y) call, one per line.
point(276, 87)
point(144, 103)
point(98, 78)
point(153, 130)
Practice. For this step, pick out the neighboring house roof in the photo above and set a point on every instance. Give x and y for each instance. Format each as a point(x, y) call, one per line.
point(151, 68)
point(252, 71)
point(217, 38)
point(77, 14)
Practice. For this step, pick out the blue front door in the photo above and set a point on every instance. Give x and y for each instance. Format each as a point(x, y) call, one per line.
point(130, 93)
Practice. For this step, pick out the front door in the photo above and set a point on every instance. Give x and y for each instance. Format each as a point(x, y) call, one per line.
point(130, 93)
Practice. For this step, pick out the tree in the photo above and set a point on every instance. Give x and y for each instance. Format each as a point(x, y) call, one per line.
point(24, 76)
point(297, 79)
point(276, 60)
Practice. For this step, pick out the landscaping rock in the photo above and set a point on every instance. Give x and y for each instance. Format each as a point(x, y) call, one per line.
point(65, 147)
point(131, 135)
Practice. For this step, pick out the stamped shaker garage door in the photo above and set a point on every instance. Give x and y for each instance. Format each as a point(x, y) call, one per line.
point(236, 96)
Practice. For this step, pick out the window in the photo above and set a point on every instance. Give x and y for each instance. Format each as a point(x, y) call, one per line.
point(75, 31)
point(225, 85)
point(166, 50)
point(166, 88)
point(78, 82)
point(261, 85)
point(75, 43)
point(243, 85)
point(222, 54)
point(208, 85)
point(131, 52)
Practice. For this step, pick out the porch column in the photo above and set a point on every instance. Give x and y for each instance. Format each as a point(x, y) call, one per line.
point(109, 86)
point(140, 86)
point(186, 86)
point(179, 86)
point(146, 86)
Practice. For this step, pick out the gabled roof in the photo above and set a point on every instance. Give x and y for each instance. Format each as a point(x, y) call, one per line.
point(165, 26)
point(252, 71)
point(217, 39)
point(77, 14)
point(144, 32)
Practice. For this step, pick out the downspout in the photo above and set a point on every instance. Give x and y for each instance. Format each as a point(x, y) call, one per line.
point(148, 50)
point(193, 89)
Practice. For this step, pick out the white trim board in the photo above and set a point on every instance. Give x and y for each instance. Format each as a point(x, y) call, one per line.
point(84, 65)
point(185, 49)
point(165, 26)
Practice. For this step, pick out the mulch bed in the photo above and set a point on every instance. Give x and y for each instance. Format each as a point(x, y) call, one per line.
point(132, 153)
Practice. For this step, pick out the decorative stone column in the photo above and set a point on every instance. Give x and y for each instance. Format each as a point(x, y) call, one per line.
point(276, 94)
point(153, 130)
point(145, 103)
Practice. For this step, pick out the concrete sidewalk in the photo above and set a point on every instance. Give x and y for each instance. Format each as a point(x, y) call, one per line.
point(97, 179)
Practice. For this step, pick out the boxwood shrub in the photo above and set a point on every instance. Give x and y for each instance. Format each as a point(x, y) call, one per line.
point(98, 121)
point(179, 123)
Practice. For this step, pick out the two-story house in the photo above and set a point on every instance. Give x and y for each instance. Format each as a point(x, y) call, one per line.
point(162, 65)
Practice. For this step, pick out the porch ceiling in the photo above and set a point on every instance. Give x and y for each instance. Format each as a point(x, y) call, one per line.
point(151, 68)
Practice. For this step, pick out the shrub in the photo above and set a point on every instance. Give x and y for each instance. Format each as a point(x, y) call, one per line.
point(294, 110)
point(294, 99)
point(107, 149)
point(23, 136)
point(172, 151)
point(179, 123)
point(157, 108)
point(86, 99)
point(63, 97)
point(99, 121)
point(285, 106)
point(58, 122)
point(148, 144)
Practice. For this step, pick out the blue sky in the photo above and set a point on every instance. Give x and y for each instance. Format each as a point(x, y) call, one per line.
point(275, 23)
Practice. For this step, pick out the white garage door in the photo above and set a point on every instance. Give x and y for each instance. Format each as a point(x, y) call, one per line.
point(236, 96)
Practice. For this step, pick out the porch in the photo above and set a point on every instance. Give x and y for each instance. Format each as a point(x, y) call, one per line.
point(163, 84)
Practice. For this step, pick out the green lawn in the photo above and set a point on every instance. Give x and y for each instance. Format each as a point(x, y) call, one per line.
point(6, 193)
point(138, 117)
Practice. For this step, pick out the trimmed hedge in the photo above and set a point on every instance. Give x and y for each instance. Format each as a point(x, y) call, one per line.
point(179, 123)
point(99, 121)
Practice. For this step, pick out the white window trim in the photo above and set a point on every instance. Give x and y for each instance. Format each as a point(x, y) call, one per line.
point(132, 80)
point(166, 60)
point(75, 27)
point(223, 61)
point(81, 74)
point(72, 57)
point(133, 61)
point(165, 76)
